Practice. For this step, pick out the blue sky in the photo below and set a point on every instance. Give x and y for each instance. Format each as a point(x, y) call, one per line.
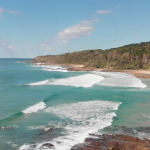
point(31, 28)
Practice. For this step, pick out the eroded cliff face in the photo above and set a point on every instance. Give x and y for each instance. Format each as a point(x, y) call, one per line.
point(134, 56)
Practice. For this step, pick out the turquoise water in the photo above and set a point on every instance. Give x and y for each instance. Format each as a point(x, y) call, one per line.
point(41, 104)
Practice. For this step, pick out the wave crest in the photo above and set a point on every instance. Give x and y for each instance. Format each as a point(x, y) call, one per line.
point(34, 108)
point(86, 80)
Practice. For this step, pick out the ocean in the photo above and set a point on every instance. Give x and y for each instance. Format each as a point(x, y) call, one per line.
point(49, 104)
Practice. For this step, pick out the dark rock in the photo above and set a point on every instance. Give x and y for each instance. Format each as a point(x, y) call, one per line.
point(33, 146)
point(113, 142)
point(47, 145)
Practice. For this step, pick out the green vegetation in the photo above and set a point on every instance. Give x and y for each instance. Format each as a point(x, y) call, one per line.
point(133, 56)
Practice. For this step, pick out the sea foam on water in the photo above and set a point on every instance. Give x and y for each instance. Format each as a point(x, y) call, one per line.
point(84, 118)
point(117, 79)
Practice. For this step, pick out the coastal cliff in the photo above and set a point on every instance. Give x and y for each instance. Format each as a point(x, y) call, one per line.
point(133, 56)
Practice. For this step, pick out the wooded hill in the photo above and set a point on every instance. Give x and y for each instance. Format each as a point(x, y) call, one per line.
point(133, 56)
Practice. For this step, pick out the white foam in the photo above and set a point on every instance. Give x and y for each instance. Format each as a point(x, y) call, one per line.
point(34, 108)
point(83, 118)
point(86, 80)
point(39, 83)
point(55, 68)
point(117, 79)
point(45, 128)
point(114, 79)
point(146, 116)
point(13, 145)
point(9, 127)
point(51, 67)
point(40, 63)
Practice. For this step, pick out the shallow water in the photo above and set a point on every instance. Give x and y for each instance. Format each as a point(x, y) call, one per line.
point(41, 103)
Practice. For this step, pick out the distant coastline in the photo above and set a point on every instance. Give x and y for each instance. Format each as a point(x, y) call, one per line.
point(132, 59)
point(139, 73)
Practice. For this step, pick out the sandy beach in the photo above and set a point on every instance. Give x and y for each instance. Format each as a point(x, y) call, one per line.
point(137, 73)
point(79, 67)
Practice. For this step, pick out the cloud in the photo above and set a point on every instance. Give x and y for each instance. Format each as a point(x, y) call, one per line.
point(12, 47)
point(118, 6)
point(2, 10)
point(96, 20)
point(83, 29)
point(50, 48)
point(6, 45)
point(104, 11)
point(43, 45)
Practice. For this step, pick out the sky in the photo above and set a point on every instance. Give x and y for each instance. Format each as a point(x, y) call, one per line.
point(29, 28)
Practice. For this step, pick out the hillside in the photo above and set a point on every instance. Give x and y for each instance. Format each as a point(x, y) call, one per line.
point(133, 56)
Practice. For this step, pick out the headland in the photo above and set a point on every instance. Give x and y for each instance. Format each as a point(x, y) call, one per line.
point(132, 59)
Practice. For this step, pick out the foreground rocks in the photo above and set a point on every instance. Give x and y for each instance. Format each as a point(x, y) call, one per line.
point(113, 142)
point(47, 145)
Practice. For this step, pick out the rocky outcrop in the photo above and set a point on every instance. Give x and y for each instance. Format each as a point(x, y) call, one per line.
point(47, 145)
point(113, 142)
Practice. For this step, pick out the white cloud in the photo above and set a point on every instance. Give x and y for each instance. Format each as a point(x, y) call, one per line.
point(43, 45)
point(49, 48)
point(12, 47)
point(104, 11)
point(95, 20)
point(83, 29)
point(6, 45)
point(2, 10)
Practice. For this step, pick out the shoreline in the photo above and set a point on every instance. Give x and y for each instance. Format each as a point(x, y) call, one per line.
point(145, 74)
point(113, 142)
point(127, 140)
point(140, 73)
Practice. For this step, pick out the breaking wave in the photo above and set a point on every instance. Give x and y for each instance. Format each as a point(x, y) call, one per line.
point(117, 79)
point(84, 118)
point(39, 83)
point(34, 108)
point(86, 80)
point(55, 68)
point(51, 67)
point(114, 79)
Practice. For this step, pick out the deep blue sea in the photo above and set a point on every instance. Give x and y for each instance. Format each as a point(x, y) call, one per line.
point(49, 104)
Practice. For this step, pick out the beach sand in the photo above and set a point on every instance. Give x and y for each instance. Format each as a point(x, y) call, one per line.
point(137, 73)
point(79, 67)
